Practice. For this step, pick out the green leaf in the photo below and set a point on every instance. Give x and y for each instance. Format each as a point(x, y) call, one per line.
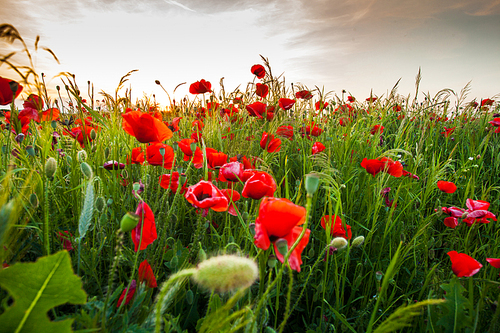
point(36, 288)
point(456, 308)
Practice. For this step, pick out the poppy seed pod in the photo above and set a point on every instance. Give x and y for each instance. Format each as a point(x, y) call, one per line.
point(86, 170)
point(129, 221)
point(50, 167)
point(226, 273)
point(34, 200)
point(282, 246)
point(311, 184)
point(30, 150)
point(99, 204)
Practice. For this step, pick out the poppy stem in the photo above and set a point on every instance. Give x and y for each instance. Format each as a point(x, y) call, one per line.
point(46, 224)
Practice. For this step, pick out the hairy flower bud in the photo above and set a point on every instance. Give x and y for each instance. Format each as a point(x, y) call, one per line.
point(358, 241)
point(81, 156)
point(99, 204)
point(86, 170)
point(338, 243)
point(226, 273)
point(50, 167)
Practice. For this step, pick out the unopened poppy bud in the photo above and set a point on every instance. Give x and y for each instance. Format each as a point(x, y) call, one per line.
point(271, 261)
point(69, 159)
point(93, 134)
point(339, 242)
point(30, 150)
point(129, 221)
point(245, 216)
point(358, 241)
point(311, 252)
point(311, 183)
point(136, 186)
point(53, 124)
point(162, 151)
point(19, 138)
point(379, 275)
point(282, 246)
point(34, 200)
point(226, 273)
point(99, 204)
point(202, 255)
point(193, 146)
point(109, 202)
point(251, 226)
point(81, 156)
point(106, 152)
point(86, 170)
point(189, 297)
point(50, 167)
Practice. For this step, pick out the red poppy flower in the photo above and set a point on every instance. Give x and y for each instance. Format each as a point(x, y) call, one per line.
point(81, 134)
point(50, 114)
point(130, 294)
point(113, 165)
point(206, 195)
point(351, 99)
point(197, 157)
point(318, 147)
point(377, 129)
point(215, 158)
point(486, 102)
point(9, 90)
point(270, 143)
point(260, 184)
point(232, 196)
point(174, 125)
point(396, 108)
point(146, 226)
point(261, 90)
point(146, 274)
point(231, 171)
point(244, 160)
point(371, 99)
point(172, 182)
point(144, 127)
point(447, 131)
point(495, 262)
point(280, 218)
point(496, 123)
point(256, 109)
point(270, 113)
point(200, 87)
point(285, 131)
point(137, 156)
point(258, 70)
point(451, 222)
point(375, 166)
point(336, 228)
point(65, 238)
point(196, 136)
point(320, 105)
point(447, 187)
point(34, 102)
point(477, 212)
point(463, 265)
point(154, 155)
point(286, 103)
point(198, 124)
point(303, 94)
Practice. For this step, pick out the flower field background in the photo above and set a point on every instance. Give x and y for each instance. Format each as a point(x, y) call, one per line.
point(271, 209)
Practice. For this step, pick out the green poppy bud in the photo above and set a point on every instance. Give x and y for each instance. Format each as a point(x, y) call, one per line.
point(189, 297)
point(271, 261)
point(99, 204)
point(50, 167)
point(106, 152)
point(34, 200)
point(339, 243)
point(30, 150)
point(81, 156)
point(358, 241)
point(252, 229)
point(226, 273)
point(53, 124)
point(93, 134)
point(312, 184)
point(282, 246)
point(86, 170)
point(129, 221)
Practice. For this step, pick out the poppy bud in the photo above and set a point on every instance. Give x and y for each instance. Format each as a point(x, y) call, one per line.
point(226, 273)
point(311, 252)
point(50, 167)
point(162, 151)
point(69, 159)
point(129, 221)
point(193, 146)
point(271, 261)
point(86, 170)
point(106, 152)
point(99, 204)
point(53, 124)
point(282, 246)
point(19, 138)
point(189, 297)
point(379, 275)
point(252, 228)
point(339, 242)
point(30, 150)
point(358, 241)
point(311, 183)
point(202, 256)
point(34, 200)
point(81, 156)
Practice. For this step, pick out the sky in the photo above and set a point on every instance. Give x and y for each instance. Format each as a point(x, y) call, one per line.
point(361, 46)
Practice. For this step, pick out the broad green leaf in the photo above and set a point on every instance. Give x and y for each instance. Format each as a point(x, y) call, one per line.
point(36, 288)
point(456, 308)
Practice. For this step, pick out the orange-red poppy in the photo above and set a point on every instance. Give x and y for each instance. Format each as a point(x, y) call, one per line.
point(258, 70)
point(261, 90)
point(374, 166)
point(256, 109)
point(280, 218)
point(270, 143)
point(144, 127)
point(154, 155)
point(206, 195)
point(448, 187)
point(200, 87)
point(146, 275)
point(9, 90)
point(286, 103)
point(145, 229)
point(463, 265)
point(257, 186)
point(318, 147)
point(334, 223)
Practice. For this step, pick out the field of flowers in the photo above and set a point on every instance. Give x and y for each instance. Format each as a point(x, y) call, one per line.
point(274, 209)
